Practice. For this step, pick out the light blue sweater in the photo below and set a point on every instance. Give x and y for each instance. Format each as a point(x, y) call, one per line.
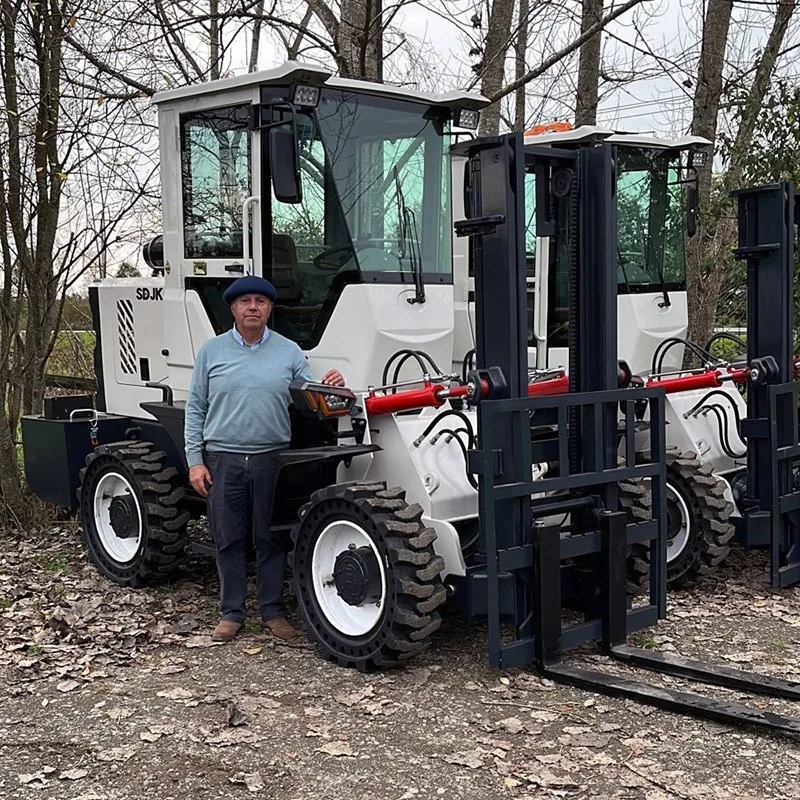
point(239, 396)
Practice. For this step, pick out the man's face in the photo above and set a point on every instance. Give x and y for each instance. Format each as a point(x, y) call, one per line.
point(251, 312)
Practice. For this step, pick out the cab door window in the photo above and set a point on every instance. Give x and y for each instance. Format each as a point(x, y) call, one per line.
point(215, 178)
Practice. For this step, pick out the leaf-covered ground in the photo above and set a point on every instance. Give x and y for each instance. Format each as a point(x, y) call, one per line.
point(109, 693)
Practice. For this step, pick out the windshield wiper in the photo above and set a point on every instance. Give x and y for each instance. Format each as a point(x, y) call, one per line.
point(666, 302)
point(651, 260)
point(408, 238)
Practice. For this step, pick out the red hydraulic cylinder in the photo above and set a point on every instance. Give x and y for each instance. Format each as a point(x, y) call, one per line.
point(427, 396)
point(549, 388)
point(711, 379)
point(435, 395)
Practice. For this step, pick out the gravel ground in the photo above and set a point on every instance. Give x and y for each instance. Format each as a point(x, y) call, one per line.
point(110, 693)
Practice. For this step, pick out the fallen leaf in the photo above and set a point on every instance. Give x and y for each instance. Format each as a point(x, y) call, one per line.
point(513, 725)
point(178, 693)
point(543, 716)
point(200, 641)
point(419, 675)
point(116, 754)
point(234, 716)
point(162, 730)
point(116, 713)
point(27, 778)
point(355, 697)
point(73, 774)
point(253, 651)
point(233, 736)
point(471, 758)
point(337, 748)
point(172, 669)
point(252, 780)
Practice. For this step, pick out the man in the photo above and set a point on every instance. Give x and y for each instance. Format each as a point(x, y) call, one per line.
point(237, 415)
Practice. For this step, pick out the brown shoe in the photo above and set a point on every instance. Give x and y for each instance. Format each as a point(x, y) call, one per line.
point(225, 631)
point(281, 628)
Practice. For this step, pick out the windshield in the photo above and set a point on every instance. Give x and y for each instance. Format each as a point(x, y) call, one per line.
point(650, 242)
point(375, 206)
point(377, 146)
point(364, 161)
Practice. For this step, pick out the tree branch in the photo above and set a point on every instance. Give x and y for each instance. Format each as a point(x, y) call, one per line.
point(325, 16)
point(565, 51)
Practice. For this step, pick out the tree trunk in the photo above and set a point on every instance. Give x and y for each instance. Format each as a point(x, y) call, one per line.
point(703, 279)
point(255, 44)
point(213, 40)
point(521, 68)
point(589, 66)
point(494, 63)
point(359, 42)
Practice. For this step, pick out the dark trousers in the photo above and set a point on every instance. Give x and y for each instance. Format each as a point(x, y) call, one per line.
point(240, 500)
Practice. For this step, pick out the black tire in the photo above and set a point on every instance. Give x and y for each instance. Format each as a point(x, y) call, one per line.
point(413, 589)
point(693, 484)
point(149, 510)
point(636, 501)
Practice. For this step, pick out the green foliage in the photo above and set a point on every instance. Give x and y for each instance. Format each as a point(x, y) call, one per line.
point(76, 316)
point(73, 354)
point(775, 152)
point(773, 156)
point(128, 270)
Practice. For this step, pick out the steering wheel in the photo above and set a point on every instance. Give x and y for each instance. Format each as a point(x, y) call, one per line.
point(344, 251)
point(376, 259)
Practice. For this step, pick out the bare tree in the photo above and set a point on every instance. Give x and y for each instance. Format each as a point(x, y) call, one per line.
point(492, 69)
point(521, 63)
point(589, 65)
point(707, 251)
point(54, 134)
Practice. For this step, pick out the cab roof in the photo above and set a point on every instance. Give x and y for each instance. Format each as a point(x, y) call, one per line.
point(586, 134)
point(314, 75)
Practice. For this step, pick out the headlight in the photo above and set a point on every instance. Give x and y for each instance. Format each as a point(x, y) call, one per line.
point(307, 96)
point(466, 118)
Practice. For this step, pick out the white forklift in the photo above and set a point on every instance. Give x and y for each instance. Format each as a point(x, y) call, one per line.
point(656, 211)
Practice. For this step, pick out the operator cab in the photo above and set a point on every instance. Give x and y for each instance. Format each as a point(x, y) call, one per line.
point(656, 210)
point(325, 186)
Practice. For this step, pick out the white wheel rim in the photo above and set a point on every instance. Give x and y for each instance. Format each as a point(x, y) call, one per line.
point(336, 538)
point(677, 544)
point(112, 485)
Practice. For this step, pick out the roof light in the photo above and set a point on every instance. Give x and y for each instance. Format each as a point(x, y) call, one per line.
point(305, 96)
point(466, 118)
point(549, 127)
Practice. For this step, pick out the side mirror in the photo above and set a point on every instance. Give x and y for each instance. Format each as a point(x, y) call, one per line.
point(692, 199)
point(284, 165)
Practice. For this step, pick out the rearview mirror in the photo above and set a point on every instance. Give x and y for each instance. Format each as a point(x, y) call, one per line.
point(284, 165)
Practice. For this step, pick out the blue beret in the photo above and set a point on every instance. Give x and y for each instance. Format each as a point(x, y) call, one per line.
point(249, 284)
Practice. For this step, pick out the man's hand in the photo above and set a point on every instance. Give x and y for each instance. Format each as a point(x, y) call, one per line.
point(333, 378)
point(200, 478)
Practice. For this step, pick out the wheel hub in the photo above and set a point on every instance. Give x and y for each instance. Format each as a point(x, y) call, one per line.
point(123, 517)
point(357, 576)
point(674, 520)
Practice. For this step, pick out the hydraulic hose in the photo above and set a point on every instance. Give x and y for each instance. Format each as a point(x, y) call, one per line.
point(473, 481)
point(724, 335)
point(722, 423)
point(726, 396)
point(450, 412)
point(409, 354)
point(467, 363)
point(667, 344)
